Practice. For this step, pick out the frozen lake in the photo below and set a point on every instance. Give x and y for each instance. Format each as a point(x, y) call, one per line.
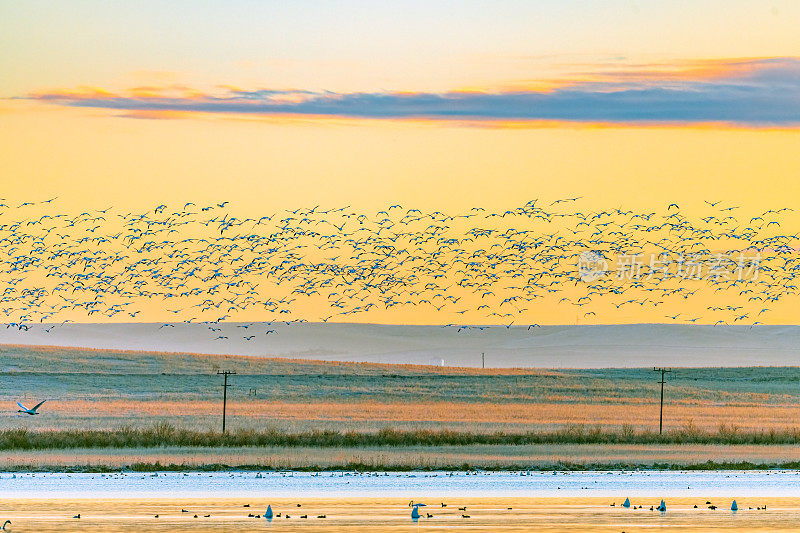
point(403, 484)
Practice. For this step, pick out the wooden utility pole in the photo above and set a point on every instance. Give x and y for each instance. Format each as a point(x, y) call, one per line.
point(225, 386)
point(661, 414)
point(483, 360)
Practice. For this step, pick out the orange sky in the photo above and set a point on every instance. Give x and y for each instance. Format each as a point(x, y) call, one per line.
point(95, 157)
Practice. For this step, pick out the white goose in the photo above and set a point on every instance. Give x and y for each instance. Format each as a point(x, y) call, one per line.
point(32, 411)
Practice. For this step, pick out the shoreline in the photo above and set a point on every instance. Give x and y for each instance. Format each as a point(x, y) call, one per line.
point(161, 435)
point(494, 458)
point(709, 466)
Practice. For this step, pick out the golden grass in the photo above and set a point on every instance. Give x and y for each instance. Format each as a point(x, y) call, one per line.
point(524, 416)
point(532, 456)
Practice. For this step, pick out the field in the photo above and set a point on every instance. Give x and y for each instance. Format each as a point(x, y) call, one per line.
point(99, 398)
point(109, 389)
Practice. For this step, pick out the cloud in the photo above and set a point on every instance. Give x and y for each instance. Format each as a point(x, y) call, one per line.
point(758, 92)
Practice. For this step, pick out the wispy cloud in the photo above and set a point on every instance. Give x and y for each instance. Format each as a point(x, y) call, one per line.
point(758, 92)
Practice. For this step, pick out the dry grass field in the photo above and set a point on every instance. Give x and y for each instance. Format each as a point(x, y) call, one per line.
point(366, 458)
point(124, 392)
point(108, 389)
point(373, 415)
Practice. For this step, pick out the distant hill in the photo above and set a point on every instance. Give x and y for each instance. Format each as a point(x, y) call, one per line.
point(17, 359)
point(585, 346)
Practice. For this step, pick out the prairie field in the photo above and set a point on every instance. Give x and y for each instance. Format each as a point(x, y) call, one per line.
point(491, 418)
point(98, 389)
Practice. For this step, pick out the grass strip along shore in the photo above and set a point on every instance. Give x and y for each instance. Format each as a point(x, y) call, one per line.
point(160, 435)
point(372, 467)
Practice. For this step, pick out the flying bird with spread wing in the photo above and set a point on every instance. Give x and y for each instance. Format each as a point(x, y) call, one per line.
point(32, 411)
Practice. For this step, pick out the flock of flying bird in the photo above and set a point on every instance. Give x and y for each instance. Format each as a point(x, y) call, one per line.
point(204, 264)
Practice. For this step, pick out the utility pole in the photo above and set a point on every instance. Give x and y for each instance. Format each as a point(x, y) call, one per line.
point(661, 414)
point(483, 360)
point(225, 386)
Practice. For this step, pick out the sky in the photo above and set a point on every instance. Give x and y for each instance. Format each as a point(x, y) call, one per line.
point(436, 105)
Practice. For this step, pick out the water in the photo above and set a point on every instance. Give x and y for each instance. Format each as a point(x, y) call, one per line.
point(404, 484)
